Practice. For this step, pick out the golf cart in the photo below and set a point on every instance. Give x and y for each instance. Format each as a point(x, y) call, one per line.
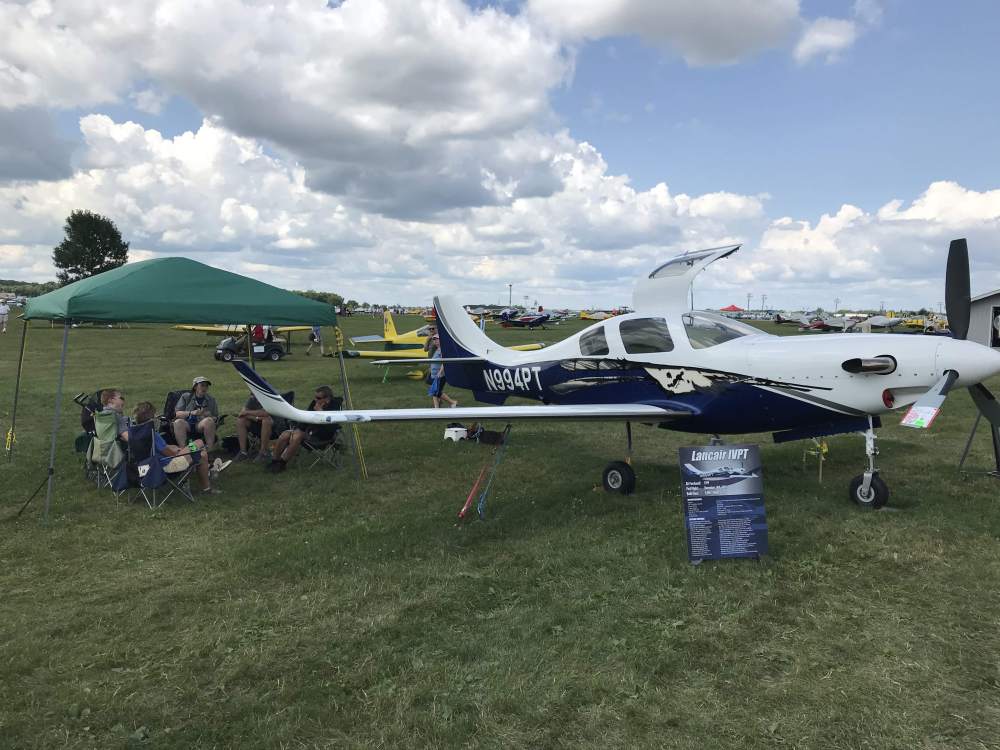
point(235, 347)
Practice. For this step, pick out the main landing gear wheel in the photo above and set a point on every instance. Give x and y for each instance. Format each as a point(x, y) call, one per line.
point(619, 477)
point(877, 495)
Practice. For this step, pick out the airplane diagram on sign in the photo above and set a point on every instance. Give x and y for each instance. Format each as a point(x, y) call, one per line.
point(723, 475)
point(699, 372)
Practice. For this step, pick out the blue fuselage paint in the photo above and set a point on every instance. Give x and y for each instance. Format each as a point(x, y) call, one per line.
point(728, 406)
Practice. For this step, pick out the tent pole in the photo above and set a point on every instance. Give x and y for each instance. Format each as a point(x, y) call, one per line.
point(17, 391)
point(355, 435)
point(55, 420)
point(253, 363)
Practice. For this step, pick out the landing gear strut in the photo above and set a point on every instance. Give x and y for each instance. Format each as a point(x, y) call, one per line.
point(618, 475)
point(868, 490)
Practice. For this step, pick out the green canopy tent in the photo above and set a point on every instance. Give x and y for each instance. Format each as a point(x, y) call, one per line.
point(154, 291)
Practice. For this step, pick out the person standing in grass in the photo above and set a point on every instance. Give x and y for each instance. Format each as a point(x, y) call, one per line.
point(436, 390)
point(316, 337)
point(4, 313)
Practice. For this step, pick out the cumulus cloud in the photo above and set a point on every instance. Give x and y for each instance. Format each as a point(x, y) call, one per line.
point(830, 37)
point(826, 37)
point(703, 32)
point(896, 253)
point(404, 108)
point(223, 198)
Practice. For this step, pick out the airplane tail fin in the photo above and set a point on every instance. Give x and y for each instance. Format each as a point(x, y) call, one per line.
point(388, 325)
point(693, 470)
point(461, 338)
point(264, 392)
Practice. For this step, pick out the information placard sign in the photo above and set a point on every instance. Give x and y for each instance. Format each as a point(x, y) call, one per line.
point(723, 494)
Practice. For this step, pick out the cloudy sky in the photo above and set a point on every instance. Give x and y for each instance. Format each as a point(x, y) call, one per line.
point(393, 149)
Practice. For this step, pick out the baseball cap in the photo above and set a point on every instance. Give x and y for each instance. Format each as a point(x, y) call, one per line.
point(200, 379)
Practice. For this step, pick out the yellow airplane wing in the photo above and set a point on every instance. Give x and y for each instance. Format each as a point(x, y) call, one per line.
point(226, 329)
point(415, 353)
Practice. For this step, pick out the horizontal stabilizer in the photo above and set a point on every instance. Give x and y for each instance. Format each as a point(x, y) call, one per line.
point(274, 404)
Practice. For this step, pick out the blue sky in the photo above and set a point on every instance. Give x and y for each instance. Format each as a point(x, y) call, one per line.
point(912, 101)
point(453, 146)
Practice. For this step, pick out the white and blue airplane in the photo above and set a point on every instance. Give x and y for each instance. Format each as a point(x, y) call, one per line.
point(699, 372)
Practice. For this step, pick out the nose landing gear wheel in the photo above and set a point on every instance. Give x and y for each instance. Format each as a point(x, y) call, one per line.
point(619, 477)
point(877, 495)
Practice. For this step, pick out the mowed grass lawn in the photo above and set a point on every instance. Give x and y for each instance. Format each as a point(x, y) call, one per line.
point(313, 609)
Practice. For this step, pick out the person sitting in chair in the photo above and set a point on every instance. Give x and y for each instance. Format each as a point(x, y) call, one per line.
point(112, 400)
point(196, 413)
point(174, 458)
point(253, 414)
point(289, 441)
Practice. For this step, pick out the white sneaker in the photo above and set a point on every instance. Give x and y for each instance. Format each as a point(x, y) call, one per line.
point(218, 466)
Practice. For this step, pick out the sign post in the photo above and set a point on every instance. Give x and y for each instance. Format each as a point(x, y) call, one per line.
point(723, 494)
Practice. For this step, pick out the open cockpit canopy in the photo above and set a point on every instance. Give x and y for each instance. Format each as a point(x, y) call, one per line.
point(666, 287)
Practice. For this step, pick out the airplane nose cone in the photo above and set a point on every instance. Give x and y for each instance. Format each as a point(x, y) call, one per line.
point(973, 362)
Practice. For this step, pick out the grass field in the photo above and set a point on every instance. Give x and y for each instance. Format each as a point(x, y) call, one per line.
point(314, 610)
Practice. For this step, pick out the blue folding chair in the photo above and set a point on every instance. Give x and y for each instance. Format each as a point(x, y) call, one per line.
point(147, 468)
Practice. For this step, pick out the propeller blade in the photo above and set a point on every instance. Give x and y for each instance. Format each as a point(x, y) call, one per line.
point(986, 403)
point(926, 408)
point(956, 289)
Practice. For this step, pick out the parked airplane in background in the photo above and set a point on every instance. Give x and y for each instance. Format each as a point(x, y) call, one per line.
point(408, 345)
point(881, 321)
point(530, 320)
point(703, 373)
point(799, 319)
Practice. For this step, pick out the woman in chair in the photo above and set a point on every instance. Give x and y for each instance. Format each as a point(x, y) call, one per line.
point(175, 458)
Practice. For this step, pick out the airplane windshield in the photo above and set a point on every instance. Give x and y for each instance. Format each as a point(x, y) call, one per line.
point(705, 329)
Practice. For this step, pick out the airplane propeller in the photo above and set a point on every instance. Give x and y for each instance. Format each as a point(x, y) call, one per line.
point(958, 303)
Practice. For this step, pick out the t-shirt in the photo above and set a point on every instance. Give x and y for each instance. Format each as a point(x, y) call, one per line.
point(322, 431)
point(159, 444)
point(189, 402)
point(4, 310)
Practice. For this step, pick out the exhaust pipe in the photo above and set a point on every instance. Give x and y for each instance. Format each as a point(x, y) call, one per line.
point(881, 365)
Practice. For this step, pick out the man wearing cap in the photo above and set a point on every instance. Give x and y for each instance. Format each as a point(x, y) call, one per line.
point(196, 412)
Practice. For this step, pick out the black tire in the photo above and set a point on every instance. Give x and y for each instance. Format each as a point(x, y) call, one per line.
point(274, 356)
point(227, 356)
point(878, 493)
point(619, 477)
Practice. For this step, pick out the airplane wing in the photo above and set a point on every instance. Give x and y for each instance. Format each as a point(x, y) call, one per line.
point(406, 355)
point(372, 339)
point(272, 402)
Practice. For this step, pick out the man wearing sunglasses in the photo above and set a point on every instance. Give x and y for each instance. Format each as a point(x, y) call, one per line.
point(289, 441)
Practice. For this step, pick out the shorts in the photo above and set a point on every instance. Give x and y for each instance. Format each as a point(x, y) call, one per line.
point(175, 464)
point(437, 387)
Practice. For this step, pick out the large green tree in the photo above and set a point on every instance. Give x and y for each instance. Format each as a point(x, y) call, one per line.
point(93, 245)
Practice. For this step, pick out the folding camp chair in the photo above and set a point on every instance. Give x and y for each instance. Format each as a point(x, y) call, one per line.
point(166, 420)
point(149, 472)
point(105, 453)
point(328, 446)
point(324, 450)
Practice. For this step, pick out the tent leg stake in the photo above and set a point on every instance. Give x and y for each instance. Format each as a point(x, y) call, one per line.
point(37, 490)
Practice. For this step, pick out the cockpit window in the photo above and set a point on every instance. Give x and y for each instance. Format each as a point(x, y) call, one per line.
point(645, 336)
point(594, 343)
point(705, 329)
